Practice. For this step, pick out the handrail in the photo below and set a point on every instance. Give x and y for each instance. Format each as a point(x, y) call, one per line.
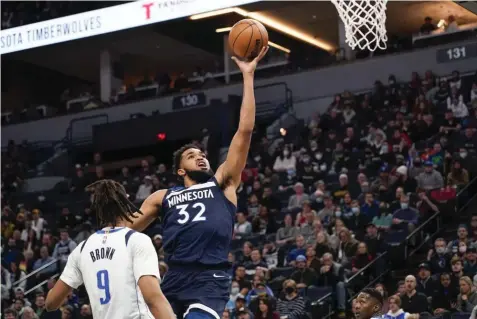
point(40, 284)
point(48, 264)
point(328, 295)
point(466, 186)
point(367, 266)
point(415, 231)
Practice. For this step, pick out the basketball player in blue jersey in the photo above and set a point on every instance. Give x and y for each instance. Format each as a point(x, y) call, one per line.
point(369, 304)
point(198, 218)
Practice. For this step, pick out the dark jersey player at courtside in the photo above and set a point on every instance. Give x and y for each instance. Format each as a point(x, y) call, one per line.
point(198, 217)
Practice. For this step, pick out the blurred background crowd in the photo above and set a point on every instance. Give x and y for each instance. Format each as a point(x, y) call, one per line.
point(375, 191)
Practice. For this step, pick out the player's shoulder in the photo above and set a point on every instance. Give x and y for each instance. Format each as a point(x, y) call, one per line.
point(136, 238)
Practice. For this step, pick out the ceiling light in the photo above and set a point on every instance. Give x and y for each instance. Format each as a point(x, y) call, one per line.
point(220, 30)
point(269, 22)
point(270, 43)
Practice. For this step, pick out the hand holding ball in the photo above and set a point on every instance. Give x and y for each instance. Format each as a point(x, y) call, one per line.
point(247, 38)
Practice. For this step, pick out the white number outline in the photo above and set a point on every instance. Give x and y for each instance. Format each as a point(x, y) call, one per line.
point(186, 216)
point(456, 53)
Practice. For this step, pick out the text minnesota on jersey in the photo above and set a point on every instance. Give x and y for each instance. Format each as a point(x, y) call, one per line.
point(189, 196)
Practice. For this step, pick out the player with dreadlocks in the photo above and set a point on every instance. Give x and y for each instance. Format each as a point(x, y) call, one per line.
point(118, 266)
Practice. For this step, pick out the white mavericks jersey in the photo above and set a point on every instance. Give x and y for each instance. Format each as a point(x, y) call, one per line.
point(110, 263)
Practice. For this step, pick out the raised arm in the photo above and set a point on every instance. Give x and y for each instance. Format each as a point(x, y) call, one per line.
point(230, 171)
point(150, 210)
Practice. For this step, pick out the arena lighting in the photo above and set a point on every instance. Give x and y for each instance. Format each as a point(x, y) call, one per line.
point(269, 22)
point(270, 43)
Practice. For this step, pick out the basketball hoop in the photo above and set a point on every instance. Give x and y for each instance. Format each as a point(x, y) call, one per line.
point(365, 23)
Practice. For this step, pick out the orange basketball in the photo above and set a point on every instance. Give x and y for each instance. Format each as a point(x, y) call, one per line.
point(247, 38)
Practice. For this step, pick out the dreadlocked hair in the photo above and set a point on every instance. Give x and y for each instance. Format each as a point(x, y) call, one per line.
point(110, 202)
point(176, 157)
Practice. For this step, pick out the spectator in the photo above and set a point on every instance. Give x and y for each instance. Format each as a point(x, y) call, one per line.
point(458, 175)
point(255, 262)
point(452, 26)
point(429, 179)
point(67, 220)
point(265, 310)
point(64, 247)
point(299, 249)
point(234, 293)
point(462, 237)
point(17, 274)
point(291, 304)
point(444, 298)
point(287, 233)
point(406, 217)
point(44, 260)
point(370, 208)
point(85, 312)
point(467, 298)
point(145, 189)
point(457, 270)
point(242, 228)
point(240, 278)
point(285, 162)
point(328, 211)
point(322, 246)
point(413, 301)
point(303, 276)
point(470, 262)
point(425, 283)
point(358, 262)
point(347, 247)
point(332, 275)
point(297, 200)
point(395, 310)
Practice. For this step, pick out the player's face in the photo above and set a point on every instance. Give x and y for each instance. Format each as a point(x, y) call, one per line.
point(195, 165)
point(365, 306)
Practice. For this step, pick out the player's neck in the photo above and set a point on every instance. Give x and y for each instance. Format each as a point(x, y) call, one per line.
point(119, 223)
point(189, 182)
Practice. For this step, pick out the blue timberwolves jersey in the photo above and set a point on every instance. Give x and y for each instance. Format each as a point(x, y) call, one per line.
point(198, 224)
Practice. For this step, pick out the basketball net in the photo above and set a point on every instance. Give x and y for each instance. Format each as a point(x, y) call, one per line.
point(365, 23)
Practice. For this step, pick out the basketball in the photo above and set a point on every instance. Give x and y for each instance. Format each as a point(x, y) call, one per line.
point(247, 38)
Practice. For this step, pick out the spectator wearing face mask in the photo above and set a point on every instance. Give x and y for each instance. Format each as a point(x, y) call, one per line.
point(438, 258)
point(234, 292)
point(462, 237)
point(429, 179)
point(406, 217)
point(285, 162)
point(467, 299)
point(291, 305)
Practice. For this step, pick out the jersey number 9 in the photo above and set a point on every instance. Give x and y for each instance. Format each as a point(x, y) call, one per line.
point(102, 277)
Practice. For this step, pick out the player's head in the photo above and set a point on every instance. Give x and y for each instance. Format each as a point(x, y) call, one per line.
point(368, 303)
point(190, 162)
point(110, 203)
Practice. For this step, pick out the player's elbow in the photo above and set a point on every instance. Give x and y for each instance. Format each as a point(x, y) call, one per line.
point(50, 305)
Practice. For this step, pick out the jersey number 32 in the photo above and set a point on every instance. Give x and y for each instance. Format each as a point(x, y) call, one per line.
point(185, 216)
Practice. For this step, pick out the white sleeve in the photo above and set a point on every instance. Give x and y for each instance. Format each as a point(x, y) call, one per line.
point(72, 274)
point(145, 260)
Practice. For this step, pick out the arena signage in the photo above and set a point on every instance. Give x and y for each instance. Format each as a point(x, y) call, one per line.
point(96, 22)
